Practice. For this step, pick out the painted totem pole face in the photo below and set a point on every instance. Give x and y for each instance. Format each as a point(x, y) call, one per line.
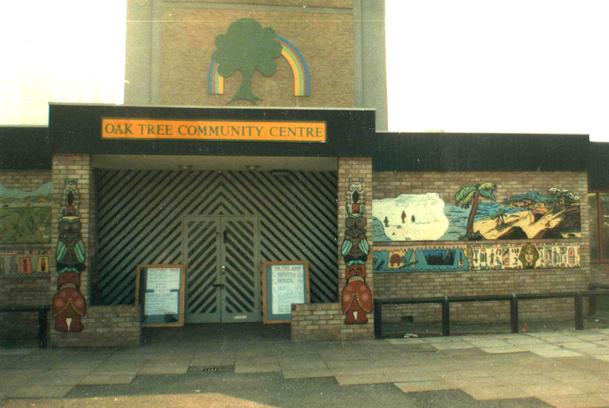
point(68, 304)
point(69, 230)
point(356, 296)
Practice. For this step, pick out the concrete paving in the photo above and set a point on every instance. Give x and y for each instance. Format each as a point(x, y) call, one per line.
point(219, 366)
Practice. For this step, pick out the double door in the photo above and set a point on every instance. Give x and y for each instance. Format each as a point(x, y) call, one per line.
point(222, 258)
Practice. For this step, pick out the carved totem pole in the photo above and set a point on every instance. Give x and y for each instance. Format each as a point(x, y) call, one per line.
point(69, 304)
point(356, 297)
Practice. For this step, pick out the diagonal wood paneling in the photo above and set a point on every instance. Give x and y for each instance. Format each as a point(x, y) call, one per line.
point(140, 212)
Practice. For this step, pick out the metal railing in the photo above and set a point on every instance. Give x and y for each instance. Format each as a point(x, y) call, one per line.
point(43, 311)
point(593, 298)
point(513, 298)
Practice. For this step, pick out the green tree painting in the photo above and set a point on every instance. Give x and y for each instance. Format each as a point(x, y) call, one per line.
point(246, 47)
point(470, 195)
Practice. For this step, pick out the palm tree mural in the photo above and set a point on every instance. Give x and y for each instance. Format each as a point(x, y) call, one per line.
point(470, 195)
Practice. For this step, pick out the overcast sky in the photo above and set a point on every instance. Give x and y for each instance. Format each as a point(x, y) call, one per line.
point(539, 66)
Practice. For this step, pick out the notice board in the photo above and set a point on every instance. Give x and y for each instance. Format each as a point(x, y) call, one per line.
point(159, 290)
point(283, 283)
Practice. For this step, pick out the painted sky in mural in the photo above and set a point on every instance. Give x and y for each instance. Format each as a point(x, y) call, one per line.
point(554, 214)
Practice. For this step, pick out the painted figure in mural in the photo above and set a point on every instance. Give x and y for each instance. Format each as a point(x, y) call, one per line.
point(396, 260)
point(528, 256)
point(412, 218)
point(403, 217)
point(386, 222)
point(69, 305)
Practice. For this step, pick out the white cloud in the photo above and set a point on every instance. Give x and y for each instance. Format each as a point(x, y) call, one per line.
point(60, 51)
point(535, 66)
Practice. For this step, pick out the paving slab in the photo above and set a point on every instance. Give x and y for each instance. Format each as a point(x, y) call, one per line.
point(418, 386)
point(590, 336)
point(398, 376)
point(155, 368)
point(40, 391)
point(453, 345)
point(358, 379)
point(554, 352)
point(501, 349)
point(550, 389)
point(481, 392)
point(295, 374)
point(246, 368)
point(153, 401)
point(106, 379)
point(302, 365)
point(575, 401)
point(60, 377)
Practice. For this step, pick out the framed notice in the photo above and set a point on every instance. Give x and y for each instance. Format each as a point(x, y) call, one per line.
point(159, 290)
point(283, 283)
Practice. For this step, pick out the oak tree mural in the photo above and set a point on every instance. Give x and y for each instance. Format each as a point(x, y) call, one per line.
point(246, 47)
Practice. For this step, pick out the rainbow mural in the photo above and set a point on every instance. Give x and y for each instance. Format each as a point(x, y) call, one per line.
point(300, 72)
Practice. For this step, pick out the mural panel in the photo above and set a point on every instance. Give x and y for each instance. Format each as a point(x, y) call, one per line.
point(356, 296)
point(476, 215)
point(69, 305)
point(15, 261)
point(264, 47)
point(541, 255)
point(420, 258)
point(25, 216)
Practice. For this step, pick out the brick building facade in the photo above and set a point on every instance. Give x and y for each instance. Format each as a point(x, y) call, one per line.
point(375, 215)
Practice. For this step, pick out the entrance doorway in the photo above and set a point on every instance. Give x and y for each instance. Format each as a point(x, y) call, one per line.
point(223, 279)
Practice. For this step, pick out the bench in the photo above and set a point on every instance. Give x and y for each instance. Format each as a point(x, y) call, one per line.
point(513, 298)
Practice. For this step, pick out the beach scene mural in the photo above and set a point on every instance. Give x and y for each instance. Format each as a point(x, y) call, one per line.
point(475, 214)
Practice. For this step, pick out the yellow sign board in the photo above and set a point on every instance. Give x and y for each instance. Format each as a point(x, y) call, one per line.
point(160, 129)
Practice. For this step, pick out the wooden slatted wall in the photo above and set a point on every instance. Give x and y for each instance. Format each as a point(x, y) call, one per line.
point(139, 221)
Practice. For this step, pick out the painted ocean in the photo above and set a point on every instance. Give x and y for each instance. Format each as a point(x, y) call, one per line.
point(457, 220)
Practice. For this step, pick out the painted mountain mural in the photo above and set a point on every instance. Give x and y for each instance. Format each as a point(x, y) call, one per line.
point(477, 215)
point(25, 216)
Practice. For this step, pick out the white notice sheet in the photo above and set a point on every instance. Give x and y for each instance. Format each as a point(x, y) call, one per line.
point(162, 291)
point(288, 287)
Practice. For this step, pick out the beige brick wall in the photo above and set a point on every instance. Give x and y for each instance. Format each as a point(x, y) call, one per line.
point(105, 326)
point(24, 179)
point(77, 167)
point(420, 284)
point(600, 273)
point(296, 3)
point(324, 321)
point(324, 38)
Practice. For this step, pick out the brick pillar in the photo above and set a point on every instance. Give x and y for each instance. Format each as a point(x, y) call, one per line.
point(76, 168)
point(355, 169)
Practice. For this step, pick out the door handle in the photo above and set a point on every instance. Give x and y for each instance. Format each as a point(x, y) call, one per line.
point(217, 285)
